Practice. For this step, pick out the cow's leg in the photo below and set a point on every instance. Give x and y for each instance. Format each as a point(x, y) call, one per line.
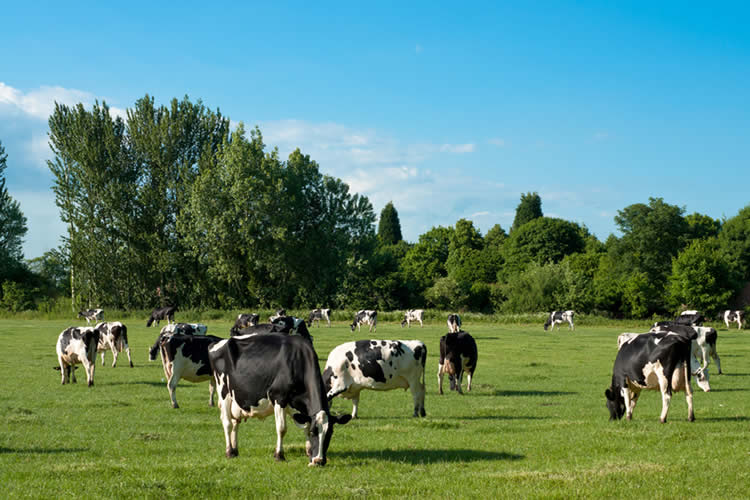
point(172, 387)
point(127, 351)
point(665, 386)
point(459, 380)
point(72, 374)
point(688, 392)
point(469, 375)
point(230, 426)
point(114, 354)
point(211, 391)
point(626, 395)
point(440, 378)
point(103, 353)
point(63, 371)
point(715, 356)
point(280, 415)
point(355, 405)
point(417, 394)
point(89, 367)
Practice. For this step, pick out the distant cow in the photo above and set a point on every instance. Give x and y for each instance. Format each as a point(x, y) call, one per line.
point(458, 354)
point(186, 356)
point(113, 336)
point(454, 323)
point(288, 325)
point(179, 329)
point(365, 316)
point(703, 347)
point(650, 361)
point(557, 317)
point(279, 313)
point(692, 318)
point(732, 316)
point(162, 313)
point(380, 365)
point(262, 375)
point(91, 315)
point(319, 314)
point(243, 321)
point(413, 315)
point(77, 345)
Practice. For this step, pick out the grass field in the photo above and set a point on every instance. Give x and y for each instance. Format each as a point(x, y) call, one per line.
point(535, 425)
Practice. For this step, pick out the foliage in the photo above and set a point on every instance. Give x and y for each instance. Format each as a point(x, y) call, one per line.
point(446, 294)
point(541, 241)
point(528, 209)
point(389, 227)
point(12, 226)
point(734, 240)
point(15, 297)
point(702, 226)
point(424, 263)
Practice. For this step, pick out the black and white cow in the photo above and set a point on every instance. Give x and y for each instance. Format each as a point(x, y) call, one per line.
point(186, 356)
point(703, 347)
point(288, 325)
point(692, 318)
point(454, 323)
point(243, 321)
point(279, 313)
point(413, 315)
point(458, 354)
point(319, 314)
point(380, 365)
point(91, 315)
point(651, 361)
point(365, 316)
point(557, 317)
point(262, 375)
point(732, 316)
point(113, 336)
point(176, 328)
point(77, 345)
point(162, 313)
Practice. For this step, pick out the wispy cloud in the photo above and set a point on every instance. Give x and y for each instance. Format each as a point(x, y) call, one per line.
point(458, 148)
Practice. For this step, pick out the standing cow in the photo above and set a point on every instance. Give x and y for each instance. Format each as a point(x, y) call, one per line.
point(91, 315)
point(365, 316)
point(319, 314)
point(653, 361)
point(703, 347)
point(458, 354)
point(113, 336)
point(162, 313)
point(557, 317)
point(186, 356)
point(732, 316)
point(176, 329)
point(288, 325)
point(262, 375)
point(454, 323)
point(413, 315)
point(380, 365)
point(243, 321)
point(77, 345)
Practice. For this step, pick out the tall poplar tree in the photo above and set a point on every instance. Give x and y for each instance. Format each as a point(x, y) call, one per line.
point(389, 227)
point(528, 209)
point(12, 226)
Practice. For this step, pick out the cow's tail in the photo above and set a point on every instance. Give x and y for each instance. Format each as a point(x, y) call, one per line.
point(124, 337)
point(424, 362)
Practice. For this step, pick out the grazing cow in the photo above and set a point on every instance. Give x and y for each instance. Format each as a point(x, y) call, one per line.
point(186, 356)
point(243, 321)
point(458, 354)
point(413, 315)
point(380, 365)
point(162, 313)
point(262, 375)
point(176, 328)
point(691, 318)
point(319, 314)
point(113, 336)
point(557, 317)
point(279, 313)
point(288, 325)
point(454, 323)
point(732, 316)
point(91, 315)
point(77, 345)
point(651, 361)
point(703, 347)
point(365, 316)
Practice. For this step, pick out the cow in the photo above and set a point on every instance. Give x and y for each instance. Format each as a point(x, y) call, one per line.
point(413, 315)
point(458, 354)
point(77, 345)
point(691, 318)
point(319, 314)
point(113, 336)
point(162, 313)
point(365, 316)
point(186, 356)
point(288, 325)
point(703, 347)
point(279, 313)
point(652, 361)
point(557, 317)
point(380, 365)
point(454, 323)
point(262, 375)
point(243, 321)
point(91, 315)
point(732, 316)
point(176, 328)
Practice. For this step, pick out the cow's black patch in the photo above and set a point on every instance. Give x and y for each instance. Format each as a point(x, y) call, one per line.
point(382, 342)
point(350, 356)
point(65, 340)
point(327, 374)
point(418, 352)
point(397, 348)
point(368, 360)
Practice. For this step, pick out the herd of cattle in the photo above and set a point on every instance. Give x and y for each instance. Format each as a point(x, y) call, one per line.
point(272, 368)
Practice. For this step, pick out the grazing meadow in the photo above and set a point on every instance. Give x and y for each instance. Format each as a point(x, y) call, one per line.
point(534, 425)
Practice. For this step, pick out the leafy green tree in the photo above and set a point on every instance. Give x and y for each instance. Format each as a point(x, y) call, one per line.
point(424, 263)
point(537, 288)
point(528, 209)
point(12, 226)
point(542, 240)
point(641, 295)
point(446, 294)
point(389, 227)
point(702, 226)
point(701, 277)
point(734, 239)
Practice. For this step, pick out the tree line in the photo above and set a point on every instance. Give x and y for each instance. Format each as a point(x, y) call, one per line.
point(169, 205)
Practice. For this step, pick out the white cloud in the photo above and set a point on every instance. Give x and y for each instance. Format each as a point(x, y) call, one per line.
point(40, 103)
point(457, 148)
point(480, 214)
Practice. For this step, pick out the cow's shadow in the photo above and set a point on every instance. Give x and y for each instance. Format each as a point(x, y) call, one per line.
point(530, 392)
point(142, 382)
point(416, 456)
point(41, 451)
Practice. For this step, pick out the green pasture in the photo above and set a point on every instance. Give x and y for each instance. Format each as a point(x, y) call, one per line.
point(534, 426)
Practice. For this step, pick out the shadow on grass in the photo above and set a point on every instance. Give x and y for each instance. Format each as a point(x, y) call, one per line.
point(415, 457)
point(139, 382)
point(41, 451)
point(725, 419)
point(530, 393)
point(735, 389)
point(734, 375)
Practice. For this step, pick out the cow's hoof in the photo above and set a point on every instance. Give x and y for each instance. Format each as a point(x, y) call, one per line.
point(663, 420)
point(91, 384)
point(175, 405)
point(316, 462)
point(232, 452)
point(422, 413)
point(308, 449)
point(279, 457)
point(131, 364)
point(691, 418)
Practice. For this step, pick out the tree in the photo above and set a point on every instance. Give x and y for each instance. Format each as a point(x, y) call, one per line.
point(389, 227)
point(734, 239)
point(12, 226)
point(702, 226)
point(425, 261)
point(542, 240)
point(528, 209)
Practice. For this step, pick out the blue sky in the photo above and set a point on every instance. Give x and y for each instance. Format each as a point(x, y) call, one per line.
point(448, 112)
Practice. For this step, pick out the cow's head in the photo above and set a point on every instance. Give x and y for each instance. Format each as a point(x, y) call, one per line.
point(319, 432)
point(615, 403)
point(547, 323)
point(405, 321)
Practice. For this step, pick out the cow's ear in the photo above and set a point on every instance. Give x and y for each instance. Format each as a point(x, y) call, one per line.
point(341, 419)
point(301, 419)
